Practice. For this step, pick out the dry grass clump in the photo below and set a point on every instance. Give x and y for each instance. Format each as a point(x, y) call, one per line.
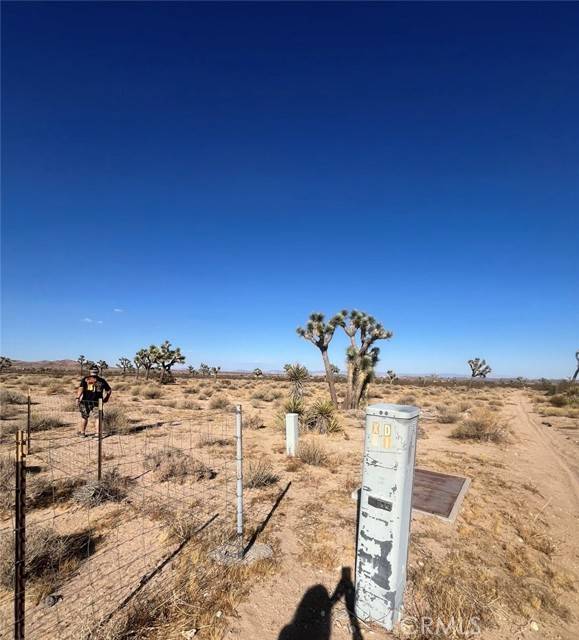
point(209, 440)
point(267, 395)
point(456, 593)
point(447, 414)
point(482, 425)
point(189, 405)
point(172, 464)
point(559, 400)
point(406, 399)
point(8, 396)
point(259, 473)
point(50, 557)
point(150, 392)
point(44, 492)
point(115, 420)
point(321, 417)
point(7, 469)
point(219, 402)
point(111, 488)
point(312, 452)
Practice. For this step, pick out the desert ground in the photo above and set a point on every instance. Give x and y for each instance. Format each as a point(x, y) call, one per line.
point(510, 561)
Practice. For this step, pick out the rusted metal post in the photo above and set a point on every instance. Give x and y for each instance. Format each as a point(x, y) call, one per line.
point(100, 441)
point(239, 464)
point(28, 421)
point(20, 536)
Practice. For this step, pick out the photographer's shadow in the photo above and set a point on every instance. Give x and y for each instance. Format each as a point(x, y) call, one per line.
point(313, 617)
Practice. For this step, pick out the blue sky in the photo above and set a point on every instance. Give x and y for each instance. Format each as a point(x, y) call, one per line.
point(218, 171)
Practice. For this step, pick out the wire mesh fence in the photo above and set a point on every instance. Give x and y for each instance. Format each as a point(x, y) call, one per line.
point(87, 520)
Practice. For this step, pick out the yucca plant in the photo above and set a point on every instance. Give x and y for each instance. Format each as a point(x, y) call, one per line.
point(297, 374)
point(321, 417)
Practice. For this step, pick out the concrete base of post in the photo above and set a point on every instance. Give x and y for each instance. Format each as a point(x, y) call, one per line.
point(291, 433)
point(228, 554)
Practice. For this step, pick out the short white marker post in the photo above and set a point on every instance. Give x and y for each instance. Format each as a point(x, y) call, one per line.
point(291, 433)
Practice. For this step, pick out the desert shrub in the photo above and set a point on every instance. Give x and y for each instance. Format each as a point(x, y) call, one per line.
point(39, 422)
point(54, 389)
point(219, 402)
point(407, 399)
point(9, 412)
point(136, 390)
point(463, 406)
point(8, 396)
point(482, 425)
point(190, 390)
point(254, 421)
point(259, 473)
point(170, 404)
point(151, 392)
point(115, 420)
point(447, 415)
point(267, 395)
point(111, 488)
point(321, 417)
point(559, 400)
point(173, 464)
point(312, 452)
point(189, 405)
point(48, 554)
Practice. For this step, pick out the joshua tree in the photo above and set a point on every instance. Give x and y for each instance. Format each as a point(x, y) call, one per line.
point(320, 334)
point(125, 364)
point(81, 361)
point(297, 374)
point(205, 369)
point(102, 365)
point(5, 363)
point(138, 364)
point(192, 370)
point(146, 358)
point(577, 369)
point(363, 331)
point(257, 373)
point(479, 368)
point(215, 371)
point(390, 376)
point(166, 357)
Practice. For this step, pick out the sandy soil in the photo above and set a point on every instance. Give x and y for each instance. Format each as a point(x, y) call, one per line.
point(513, 549)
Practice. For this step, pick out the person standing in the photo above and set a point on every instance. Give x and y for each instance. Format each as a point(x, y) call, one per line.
point(92, 388)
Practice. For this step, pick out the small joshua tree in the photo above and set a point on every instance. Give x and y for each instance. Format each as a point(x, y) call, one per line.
point(479, 368)
point(102, 365)
point(125, 364)
point(166, 357)
point(390, 376)
point(257, 373)
point(320, 334)
point(215, 371)
point(81, 361)
point(5, 363)
point(297, 374)
point(192, 371)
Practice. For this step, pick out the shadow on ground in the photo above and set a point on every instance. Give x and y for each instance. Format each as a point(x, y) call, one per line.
point(313, 617)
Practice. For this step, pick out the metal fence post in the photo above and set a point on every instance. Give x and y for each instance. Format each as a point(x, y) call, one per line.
point(20, 536)
point(239, 461)
point(28, 421)
point(100, 441)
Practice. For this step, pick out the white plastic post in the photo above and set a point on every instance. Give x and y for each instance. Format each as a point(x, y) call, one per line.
point(291, 433)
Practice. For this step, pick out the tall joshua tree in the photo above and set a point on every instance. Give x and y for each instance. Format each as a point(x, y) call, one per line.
point(146, 358)
point(362, 356)
point(390, 376)
point(5, 363)
point(125, 364)
point(102, 365)
point(478, 368)
point(320, 334)
point(577, 369)
point(81, 361)
point(166, 357)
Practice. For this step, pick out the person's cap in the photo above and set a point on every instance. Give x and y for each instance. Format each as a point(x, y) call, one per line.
point(94, 369)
